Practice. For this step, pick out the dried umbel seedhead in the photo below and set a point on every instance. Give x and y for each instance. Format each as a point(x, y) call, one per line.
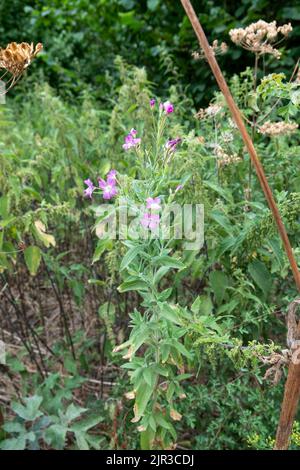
point(275, 129)
point(15, 58)
point(216, 48)
point(223, 158)
point(210, 112)
point(261, 37)
point(228, 160)
point(232, 123)
point(227, 137)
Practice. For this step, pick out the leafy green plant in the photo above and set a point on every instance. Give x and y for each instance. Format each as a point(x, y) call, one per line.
point(49, 419)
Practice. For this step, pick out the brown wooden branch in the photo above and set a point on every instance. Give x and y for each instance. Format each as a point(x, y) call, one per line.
point(292, 387)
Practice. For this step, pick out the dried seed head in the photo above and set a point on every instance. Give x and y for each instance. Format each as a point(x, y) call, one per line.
point(261, 37)
point(210, 112)
point(228, 160)
point(15, 58)
point(227, 136)
point(216, 48)
point(275, 129)
point(223, 158)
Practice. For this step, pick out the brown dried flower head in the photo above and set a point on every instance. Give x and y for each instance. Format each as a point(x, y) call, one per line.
point(15, 58)
point(261, 37)
point(223, 158)
point(210, 112)
point(275, 129)
point(216, 48)
point(175, 415)
point(228, 160)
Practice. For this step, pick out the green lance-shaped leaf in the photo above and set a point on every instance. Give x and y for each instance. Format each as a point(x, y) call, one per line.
point(130, 256)
point(143, 395)
point(33, 258)
point(219, 283)
point(261, 276)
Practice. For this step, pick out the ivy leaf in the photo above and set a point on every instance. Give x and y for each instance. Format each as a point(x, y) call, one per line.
point(30, 411)
point(81, 440)
point(14, 427)
point(55, 436)
point(73, 412)
point(18, 443)
point(86, 423)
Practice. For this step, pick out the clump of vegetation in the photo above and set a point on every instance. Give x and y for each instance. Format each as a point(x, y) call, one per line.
point(143, 338)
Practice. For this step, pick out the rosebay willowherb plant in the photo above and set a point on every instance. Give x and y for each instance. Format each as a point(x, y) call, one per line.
point(233, 275)
point(158, 350)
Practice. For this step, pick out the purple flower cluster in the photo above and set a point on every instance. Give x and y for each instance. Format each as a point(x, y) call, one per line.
point(171, 144)
point(151, 219)
point(108, 187)
point(131, 140)
point(153, 203)
point(90, 188)
point(167, 107)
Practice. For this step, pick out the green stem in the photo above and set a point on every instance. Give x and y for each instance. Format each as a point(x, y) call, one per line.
point(253, 127)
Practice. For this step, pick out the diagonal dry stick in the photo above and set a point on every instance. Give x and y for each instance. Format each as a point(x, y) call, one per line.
point(292, 387)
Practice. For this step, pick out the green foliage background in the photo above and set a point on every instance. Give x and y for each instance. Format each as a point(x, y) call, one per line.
point(82, 37)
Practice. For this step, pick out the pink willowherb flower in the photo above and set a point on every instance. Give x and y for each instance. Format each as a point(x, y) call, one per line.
point(109, 186)
point(171, 144)
point(130, 140)
point(152, 102)
point(112, 174)
point(168, 107)
point(153, 203)
point(150, 221)
point(90, 188)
